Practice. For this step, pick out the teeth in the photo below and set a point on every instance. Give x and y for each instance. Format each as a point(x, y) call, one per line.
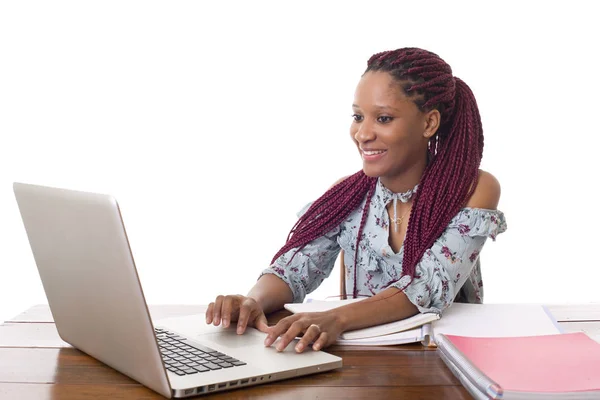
point(372, 153)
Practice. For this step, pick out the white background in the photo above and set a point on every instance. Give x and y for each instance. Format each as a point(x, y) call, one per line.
point(214, 122)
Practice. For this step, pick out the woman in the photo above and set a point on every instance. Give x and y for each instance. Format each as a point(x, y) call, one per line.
point(411, 223)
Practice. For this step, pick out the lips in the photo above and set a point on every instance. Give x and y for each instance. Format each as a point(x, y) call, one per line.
point(372, 154)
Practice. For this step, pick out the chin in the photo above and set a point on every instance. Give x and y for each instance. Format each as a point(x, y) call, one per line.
point(372, 172)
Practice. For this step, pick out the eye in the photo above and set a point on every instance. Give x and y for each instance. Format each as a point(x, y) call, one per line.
point(357, 117)
point(384, 119)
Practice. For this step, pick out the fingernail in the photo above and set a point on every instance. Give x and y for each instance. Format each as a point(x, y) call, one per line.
point(240, 330)
point(225, 322)
point(207, 320)
point(299, 347)
point(317, 346)
point(268, 341)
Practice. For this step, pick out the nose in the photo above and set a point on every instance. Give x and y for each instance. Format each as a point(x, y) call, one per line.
point(364, 132)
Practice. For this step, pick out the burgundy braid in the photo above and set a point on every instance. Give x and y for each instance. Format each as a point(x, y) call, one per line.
point(328, 211)
point(448, 180)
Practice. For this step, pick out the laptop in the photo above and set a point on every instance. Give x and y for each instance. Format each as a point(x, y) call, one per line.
point(82, 253)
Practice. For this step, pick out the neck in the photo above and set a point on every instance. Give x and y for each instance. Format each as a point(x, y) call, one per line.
point(406, 180)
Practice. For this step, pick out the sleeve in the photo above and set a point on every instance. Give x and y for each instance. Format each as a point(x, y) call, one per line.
point(445, 267)
point(310, 266)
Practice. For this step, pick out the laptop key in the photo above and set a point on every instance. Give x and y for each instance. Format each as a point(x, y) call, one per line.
point(225, 365)
point(190, 371)
point(238, 363)
point(201, 368)
point(198, 346)
point(212, 366)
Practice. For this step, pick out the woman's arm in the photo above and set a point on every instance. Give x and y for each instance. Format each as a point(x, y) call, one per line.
point(386, 306)
point(271, 293)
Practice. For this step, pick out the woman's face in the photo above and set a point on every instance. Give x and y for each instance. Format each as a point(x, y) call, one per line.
point(390, 131)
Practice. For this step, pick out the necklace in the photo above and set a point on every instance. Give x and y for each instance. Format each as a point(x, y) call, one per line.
point(398, 220)
point(404, 198)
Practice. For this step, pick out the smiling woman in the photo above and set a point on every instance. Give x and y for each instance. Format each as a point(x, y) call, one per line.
point(418, 131)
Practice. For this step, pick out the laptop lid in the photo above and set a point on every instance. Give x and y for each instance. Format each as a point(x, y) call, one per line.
point(82, 253)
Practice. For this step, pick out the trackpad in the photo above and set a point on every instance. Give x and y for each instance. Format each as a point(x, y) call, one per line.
point(229, 338)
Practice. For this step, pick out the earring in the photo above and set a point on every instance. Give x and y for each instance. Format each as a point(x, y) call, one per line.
point(433, 144)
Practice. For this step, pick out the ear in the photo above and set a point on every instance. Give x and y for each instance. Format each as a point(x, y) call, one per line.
point(432, 123)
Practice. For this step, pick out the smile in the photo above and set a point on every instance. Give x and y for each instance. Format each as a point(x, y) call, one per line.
point(372, 155)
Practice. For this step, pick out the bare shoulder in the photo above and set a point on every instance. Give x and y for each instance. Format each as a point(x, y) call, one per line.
point(487, 192)
point(339, 180)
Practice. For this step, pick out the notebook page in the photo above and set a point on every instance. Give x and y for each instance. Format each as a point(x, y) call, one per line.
point(318, 305)
point(415, 335)
point(495, 320)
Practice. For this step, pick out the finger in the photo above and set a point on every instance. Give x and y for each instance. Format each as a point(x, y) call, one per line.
point(284, 340)
point(261, 323)
point(245, 311)
point(217, 311)
point(226, 311)
point(310, 335)
point(209, 313)
point(273, 332)
point(321, 342)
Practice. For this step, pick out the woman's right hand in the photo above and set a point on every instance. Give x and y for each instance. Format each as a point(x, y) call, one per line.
point(245, 310)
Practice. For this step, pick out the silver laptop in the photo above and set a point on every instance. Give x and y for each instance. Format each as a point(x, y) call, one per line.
point(82, 253)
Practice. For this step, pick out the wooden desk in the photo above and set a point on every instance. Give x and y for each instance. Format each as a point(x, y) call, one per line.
point(36, 364)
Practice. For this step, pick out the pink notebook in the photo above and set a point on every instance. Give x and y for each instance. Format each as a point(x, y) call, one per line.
point(564, 363)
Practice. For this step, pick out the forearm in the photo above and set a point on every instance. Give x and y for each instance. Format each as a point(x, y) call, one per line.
point(387, 306)
point(271, 293)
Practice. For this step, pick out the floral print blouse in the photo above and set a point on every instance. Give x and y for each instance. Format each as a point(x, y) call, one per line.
point(448, 271)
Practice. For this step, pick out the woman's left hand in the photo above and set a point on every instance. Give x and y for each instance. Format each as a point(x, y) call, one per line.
point(320, 328)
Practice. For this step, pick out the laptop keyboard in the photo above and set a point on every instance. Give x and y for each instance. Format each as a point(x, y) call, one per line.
point(183, 357)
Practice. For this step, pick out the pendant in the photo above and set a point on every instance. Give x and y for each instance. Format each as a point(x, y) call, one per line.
point(397, 221)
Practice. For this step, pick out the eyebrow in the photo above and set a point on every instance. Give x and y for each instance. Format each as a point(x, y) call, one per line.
point(380, 107)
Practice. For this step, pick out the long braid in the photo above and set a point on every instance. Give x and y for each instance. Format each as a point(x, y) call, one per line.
point(363, 219)
point(328, 211)
point(447, 182)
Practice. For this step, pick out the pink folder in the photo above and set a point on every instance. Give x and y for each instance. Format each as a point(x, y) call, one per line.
point(552, 363)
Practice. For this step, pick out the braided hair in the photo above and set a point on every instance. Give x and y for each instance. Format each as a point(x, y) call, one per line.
point(449, 179)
